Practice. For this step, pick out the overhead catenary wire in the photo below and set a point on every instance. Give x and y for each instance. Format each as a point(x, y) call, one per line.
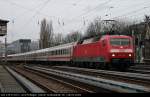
point(131, 12)
point(93, 9)
point(97, 6)
point(40, 8)
point(101, 4)
point(81, 15)
point(28, 9)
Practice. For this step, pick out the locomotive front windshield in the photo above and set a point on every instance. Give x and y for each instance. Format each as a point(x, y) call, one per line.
point(119, 41)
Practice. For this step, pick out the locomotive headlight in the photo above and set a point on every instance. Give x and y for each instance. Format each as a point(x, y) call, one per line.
point(130, 55)
point(113, 55)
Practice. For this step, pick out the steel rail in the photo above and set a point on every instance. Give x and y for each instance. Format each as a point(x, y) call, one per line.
point(111, 85)
point(26, 83)
point(49, 83)
point(143, 77)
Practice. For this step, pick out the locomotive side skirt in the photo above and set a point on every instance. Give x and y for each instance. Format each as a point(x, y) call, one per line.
point(89, 59)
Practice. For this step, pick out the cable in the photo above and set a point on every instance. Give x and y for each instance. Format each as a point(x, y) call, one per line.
point(131, 12)
point(42, 6)
point(101, 4)
point(28, 9)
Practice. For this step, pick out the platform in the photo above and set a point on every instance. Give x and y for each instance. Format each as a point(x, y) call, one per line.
point(8, 84)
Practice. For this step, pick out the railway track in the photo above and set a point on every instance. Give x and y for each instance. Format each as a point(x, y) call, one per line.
point(128, 77)
point(50, 83)
point(140, 68)
point(95, 78)
point(12, 82)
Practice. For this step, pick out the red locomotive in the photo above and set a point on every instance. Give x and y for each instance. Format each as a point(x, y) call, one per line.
point(109, 50)
point(100, 51)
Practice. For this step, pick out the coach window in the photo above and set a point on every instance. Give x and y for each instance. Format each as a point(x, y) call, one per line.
point(61, 52)
point(67, 51)
point(64, 51)
point(55, 52)
point(49, 52)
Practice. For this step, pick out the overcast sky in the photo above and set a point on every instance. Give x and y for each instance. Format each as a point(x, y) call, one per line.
point(67, 15)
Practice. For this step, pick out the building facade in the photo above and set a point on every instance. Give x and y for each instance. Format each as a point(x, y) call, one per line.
point(19, 46)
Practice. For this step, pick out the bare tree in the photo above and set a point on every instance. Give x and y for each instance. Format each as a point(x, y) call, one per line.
point(93, 28)
point(42, 33)
point(72, 37)
point(100, 27)
point(147, 27)
point(50, 34)
point(58, 39)
point(46, 34)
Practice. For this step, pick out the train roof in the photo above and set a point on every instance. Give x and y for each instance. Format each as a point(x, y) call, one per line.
point(46, 49)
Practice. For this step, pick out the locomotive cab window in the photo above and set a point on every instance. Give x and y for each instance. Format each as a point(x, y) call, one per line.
point(119, 41)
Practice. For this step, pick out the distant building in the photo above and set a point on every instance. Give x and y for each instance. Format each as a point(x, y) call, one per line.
point(19, 46)
point(34, 45)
